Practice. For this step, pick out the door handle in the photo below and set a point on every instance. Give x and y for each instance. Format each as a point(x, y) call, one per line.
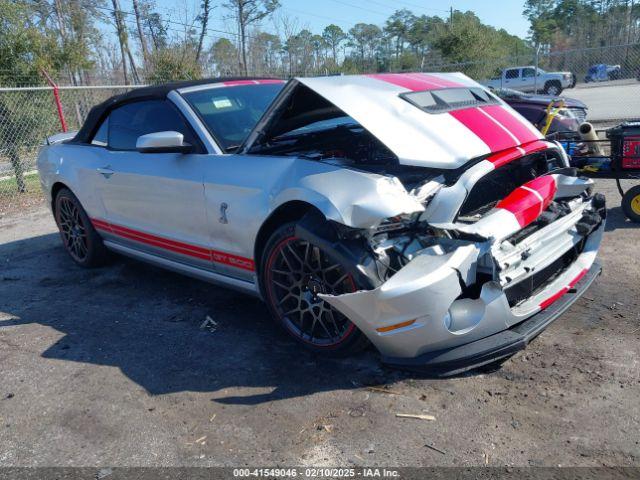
point(106, 172)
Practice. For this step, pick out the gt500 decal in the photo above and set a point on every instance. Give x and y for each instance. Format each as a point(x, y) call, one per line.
point(175, 246)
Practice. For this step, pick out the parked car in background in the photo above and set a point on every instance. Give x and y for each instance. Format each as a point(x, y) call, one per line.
point(417, 212)
point(525, 79)
point(603, 73)
point(533, 107)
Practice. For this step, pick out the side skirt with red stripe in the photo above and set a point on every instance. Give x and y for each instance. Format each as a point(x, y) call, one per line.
point(174, 246)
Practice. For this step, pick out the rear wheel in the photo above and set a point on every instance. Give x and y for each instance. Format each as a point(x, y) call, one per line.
point(80, 239)
point(293, 273)
point(631, 204)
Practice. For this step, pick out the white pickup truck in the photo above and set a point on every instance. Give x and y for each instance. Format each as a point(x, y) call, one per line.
point(526, 80)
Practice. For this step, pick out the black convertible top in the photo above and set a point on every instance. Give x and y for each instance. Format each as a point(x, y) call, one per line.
point(100, 111)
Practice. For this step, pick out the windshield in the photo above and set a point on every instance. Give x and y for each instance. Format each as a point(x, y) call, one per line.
point(231, 112)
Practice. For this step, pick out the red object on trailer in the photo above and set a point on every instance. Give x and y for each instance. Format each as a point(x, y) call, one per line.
point(631, 153)
point(625, 146)
point(623, 162)
point(56, 97)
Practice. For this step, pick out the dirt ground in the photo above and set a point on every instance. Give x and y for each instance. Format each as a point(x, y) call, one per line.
point(110, 367)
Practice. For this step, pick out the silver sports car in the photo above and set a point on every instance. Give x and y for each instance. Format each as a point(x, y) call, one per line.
point(416, 212)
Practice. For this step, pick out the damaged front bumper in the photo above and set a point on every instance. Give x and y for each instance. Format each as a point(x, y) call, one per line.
point(423, 316)
point(501, 345)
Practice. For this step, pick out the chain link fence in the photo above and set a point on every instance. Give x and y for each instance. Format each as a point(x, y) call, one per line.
point(607, 78)
point(608, 82)
point(27, 116)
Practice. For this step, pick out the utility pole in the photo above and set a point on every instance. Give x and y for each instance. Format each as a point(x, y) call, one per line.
point(535, 78)
point(630, 24)
point(451, 17)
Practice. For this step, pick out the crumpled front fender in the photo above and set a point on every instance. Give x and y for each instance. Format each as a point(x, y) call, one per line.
point(355, 199)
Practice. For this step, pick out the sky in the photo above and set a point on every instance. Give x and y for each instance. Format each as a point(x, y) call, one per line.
point(316, 14)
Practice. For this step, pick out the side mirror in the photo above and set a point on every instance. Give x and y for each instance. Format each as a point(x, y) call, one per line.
point(163, 142)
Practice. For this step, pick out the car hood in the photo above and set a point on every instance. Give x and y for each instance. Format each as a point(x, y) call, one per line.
point(446, 140)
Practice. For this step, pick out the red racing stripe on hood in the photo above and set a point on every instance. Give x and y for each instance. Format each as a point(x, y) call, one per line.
point(434, 79)
point(507, 156)
point(498, 128)
point(511, 123)
point(415, 82)
point(493, 135)
point(527, 202)
point(535, 146)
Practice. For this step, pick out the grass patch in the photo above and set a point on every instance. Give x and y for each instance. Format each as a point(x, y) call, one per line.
point(8, 186)
point(12, 200)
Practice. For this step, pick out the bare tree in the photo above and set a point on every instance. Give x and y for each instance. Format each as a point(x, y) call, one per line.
point(204, 21)
point(286, 28)
point(122, 38)
point(248, 12)
point(57, 6)
point(141, 35)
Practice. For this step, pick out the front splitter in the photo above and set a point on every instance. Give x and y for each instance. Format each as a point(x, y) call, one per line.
point(496, 347)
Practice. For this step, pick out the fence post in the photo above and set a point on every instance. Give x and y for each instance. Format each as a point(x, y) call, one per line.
point(56, 96)
point(535, 78)
point(16, 164)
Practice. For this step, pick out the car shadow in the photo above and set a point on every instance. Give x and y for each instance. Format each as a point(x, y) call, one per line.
point(150, 324)
point(617, 220)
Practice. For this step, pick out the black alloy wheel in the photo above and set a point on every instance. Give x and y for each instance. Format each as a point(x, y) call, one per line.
point(294, 273)
point(80, 239)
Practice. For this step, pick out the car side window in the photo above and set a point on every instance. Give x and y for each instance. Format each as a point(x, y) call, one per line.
point(101, 137)
point(130, 121)
point(511, 74)
point(528, 73)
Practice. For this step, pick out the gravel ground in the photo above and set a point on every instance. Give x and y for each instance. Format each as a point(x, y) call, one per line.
point(110, 367)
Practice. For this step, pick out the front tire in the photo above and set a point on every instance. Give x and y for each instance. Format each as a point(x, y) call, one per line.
point(293, 272)
point(80, 239)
